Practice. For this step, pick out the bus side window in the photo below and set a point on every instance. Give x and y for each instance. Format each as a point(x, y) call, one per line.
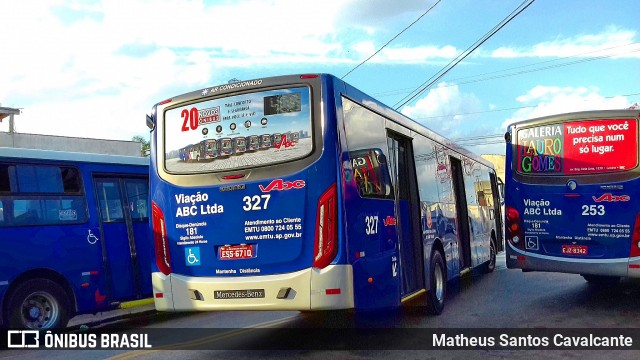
point(138, 195)
point(371, 173)
point(110, 203)
point(25, 212)
point(70, 209)
point(5, 182)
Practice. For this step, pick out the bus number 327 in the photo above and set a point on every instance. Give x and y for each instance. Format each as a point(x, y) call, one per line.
point(255, 202)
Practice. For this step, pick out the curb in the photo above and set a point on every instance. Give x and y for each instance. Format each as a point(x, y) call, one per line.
point(132, 311)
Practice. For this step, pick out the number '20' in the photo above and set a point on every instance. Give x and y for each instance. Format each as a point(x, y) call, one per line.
point(190, 119)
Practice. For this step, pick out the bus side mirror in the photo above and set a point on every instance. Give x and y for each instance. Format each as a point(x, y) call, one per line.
point(501, 188)
point(150, 123)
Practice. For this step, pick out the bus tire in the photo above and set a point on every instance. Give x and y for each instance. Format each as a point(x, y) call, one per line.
point(490, 265)
point(38, 304)
point(438, 284)
point(601, 280)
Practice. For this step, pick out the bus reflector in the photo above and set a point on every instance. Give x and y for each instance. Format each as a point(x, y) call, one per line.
point(635, 238)
point(163, 258)
point(165, 101)
point(332, 291)
point(159, 295)
point(309, 76)
point(326, 247)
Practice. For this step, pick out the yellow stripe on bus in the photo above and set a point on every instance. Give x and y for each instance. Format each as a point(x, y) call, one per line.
point(135, 303)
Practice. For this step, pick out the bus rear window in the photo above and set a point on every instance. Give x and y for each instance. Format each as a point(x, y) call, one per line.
point(578, 147)
point(240, 131)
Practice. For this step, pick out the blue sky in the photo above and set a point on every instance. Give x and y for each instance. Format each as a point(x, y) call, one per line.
point(95, 68)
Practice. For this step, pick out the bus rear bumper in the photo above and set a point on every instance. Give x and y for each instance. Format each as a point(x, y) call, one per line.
point(528, 261)
point(308, 289)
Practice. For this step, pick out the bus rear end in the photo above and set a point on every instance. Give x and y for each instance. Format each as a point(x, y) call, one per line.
point(572, 190)
point(258, 230)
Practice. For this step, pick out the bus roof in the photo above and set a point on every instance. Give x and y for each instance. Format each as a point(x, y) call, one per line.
point(19, 153)
point(371, 102)
point(580, 115)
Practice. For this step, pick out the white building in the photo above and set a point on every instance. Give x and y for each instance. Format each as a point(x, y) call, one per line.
point(62, 143)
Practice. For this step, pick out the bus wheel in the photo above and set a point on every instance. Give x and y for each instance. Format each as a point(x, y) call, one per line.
point(601, 280)
point(491, 264)
point(38, 304)
point(438, 282)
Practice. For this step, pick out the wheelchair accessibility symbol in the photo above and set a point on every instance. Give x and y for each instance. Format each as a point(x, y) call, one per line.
point(92, 239)
point(192, 256)
point(531, 242)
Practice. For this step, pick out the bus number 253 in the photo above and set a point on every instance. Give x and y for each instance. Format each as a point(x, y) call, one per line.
point(592, 210)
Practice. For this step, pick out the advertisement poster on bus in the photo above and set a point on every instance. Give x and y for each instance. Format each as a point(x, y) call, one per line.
point(579, 147)
point(239, 131)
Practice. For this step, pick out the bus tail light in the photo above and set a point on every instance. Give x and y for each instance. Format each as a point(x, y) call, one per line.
point(326, 239)
point(514, 230)
point(635, 238)
point(160, 241)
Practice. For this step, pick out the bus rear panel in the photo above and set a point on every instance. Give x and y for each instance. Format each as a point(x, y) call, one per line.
point(256, 230)
point(572, 186)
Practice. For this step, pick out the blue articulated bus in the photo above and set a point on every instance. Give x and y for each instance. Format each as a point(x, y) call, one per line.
point(571, 195)
point(74, 235)
point(362, 208)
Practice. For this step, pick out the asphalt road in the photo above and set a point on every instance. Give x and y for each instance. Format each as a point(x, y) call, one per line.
point(505, 301)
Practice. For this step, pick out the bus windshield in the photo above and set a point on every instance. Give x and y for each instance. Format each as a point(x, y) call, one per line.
point(273, 116)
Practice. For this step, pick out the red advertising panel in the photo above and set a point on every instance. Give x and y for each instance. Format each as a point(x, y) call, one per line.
point(600, 146)
point(581, 147)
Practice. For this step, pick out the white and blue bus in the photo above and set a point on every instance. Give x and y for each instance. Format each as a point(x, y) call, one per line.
point(74, 235)
point(571, 195)
point(362, 208)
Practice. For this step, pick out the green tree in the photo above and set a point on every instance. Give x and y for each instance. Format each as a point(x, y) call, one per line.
point(144, 145)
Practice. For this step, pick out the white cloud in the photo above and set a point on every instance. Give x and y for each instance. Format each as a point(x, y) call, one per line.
point(418, 54)
point(551, 100)
point(612, 41)
point(371, 13)
point(108, 63)
point(434, 109)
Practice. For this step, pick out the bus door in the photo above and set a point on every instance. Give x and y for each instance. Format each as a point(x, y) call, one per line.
point(462, 213)
point(497, 211)
point(402, 167)
point(123, 204)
